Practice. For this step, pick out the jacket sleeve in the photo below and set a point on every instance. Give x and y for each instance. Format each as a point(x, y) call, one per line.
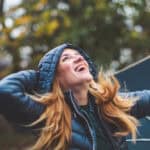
point(15, 103)
point(142, 106)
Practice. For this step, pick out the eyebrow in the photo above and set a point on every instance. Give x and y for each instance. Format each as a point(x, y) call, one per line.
point(66, 54)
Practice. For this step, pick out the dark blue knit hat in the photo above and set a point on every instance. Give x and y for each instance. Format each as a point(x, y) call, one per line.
point(47, 66)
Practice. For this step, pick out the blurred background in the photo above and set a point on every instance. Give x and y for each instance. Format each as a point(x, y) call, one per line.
point(115, 33)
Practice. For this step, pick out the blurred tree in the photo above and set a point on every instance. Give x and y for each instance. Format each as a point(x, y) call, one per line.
point(114, 32)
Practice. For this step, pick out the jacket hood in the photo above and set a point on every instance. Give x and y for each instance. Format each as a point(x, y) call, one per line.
point(48, 64)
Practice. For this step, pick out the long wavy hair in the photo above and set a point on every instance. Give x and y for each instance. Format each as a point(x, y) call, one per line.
point(114, 109)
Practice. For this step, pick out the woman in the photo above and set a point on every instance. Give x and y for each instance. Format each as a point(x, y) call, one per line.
point(75, 107)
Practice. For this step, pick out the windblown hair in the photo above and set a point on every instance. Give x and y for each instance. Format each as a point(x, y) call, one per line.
point(115, 110)
point(57, 116)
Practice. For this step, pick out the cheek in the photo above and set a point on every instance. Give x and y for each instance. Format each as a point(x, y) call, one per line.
point(65, 79)
point(65, 70)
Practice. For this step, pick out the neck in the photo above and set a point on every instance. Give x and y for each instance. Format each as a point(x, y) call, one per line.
point(81, 95)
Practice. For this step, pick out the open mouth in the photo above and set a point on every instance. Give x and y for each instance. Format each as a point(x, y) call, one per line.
point(80, 68)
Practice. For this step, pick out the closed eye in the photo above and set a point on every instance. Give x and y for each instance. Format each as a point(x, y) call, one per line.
point(65, 58)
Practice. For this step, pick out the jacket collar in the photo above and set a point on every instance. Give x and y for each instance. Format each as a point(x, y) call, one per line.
point(71, 101)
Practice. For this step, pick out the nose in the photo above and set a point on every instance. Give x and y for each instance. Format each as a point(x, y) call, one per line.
point(78, 58)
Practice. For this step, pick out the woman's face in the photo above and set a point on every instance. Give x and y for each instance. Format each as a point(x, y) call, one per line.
point(73, 70)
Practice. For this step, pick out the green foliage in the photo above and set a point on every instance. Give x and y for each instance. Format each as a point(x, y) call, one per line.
point(103, 28)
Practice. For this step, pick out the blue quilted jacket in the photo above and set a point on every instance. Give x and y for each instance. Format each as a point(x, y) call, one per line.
point(18, 107)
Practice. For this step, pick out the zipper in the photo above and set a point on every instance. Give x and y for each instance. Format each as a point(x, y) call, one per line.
point(114, 146)
point(84, 118)
point(94, 134)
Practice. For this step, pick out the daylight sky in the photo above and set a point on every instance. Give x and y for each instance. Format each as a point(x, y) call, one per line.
point(10, 3)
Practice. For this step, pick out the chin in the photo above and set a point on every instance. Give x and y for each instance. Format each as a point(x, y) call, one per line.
point(88, 79)
point(85, 77)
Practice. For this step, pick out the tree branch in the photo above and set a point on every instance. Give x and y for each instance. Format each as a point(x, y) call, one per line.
point(1, 7)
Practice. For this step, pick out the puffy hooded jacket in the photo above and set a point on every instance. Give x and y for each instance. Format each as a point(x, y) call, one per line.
point(17, 106)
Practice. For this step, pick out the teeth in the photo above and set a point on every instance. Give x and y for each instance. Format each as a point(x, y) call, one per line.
point(82, 68)
point(79, 67)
